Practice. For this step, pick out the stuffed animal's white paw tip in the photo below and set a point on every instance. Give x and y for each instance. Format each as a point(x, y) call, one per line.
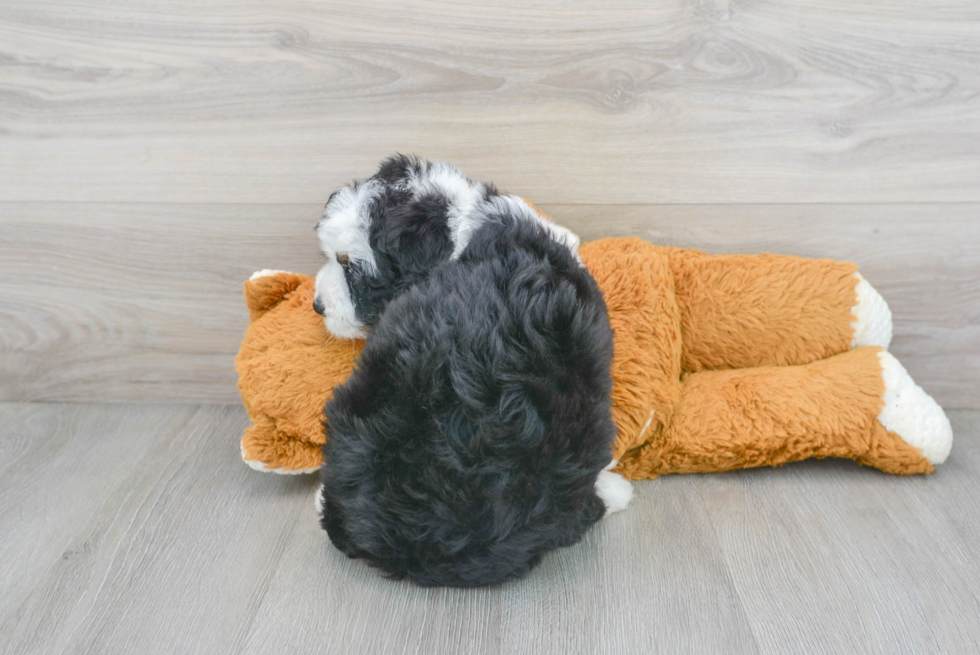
point(262, 466)
point(913, 414)
point(872, 322)
point(614, 490)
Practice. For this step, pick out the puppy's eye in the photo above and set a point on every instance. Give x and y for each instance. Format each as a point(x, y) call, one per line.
point(343, 259)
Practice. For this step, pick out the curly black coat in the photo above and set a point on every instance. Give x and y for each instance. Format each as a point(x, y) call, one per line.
point(467, 442)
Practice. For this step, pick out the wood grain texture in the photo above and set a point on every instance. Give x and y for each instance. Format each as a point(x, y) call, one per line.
point(152, 546)
point(142, 302)
point(680, 101)
point(644, 585)
point(58, 468)
point(134, 528)
point(152, 155)
point(846, 562)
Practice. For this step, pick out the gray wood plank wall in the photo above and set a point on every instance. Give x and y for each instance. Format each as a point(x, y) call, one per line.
point(152, 155)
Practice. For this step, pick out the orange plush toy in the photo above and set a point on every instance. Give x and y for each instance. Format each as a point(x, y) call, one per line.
point(720, 363)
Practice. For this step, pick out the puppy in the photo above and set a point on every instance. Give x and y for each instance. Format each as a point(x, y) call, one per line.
point(472, 436)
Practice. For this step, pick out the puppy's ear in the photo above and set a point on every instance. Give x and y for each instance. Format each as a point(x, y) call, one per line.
point(399, 168)
point(419, 236)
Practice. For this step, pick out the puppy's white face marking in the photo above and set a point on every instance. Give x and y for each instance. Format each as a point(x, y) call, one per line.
point(344, 229)
point(345, 225)
point(338, 308)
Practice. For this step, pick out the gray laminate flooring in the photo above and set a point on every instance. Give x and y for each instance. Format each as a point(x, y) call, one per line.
point(137, 529)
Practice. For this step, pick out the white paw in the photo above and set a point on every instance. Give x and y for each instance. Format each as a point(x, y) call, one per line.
point(872, 322)
point(265, 272)
point(912, 414)
point(319, 500)
point(262, 466)
point(614, 490)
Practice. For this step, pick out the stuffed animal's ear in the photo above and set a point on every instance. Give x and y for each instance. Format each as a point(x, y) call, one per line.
point(266, 289)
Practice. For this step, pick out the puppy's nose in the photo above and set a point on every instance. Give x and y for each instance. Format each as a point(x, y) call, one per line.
point(318, 305)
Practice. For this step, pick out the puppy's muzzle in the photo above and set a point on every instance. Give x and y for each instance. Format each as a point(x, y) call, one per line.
point(318, 305)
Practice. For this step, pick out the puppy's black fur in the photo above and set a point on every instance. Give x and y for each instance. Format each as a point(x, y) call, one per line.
point(468, 440)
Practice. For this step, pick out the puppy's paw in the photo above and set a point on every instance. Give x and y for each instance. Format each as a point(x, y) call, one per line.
point(614, 490)
point(872, 322)
point(319, 500)
point(912, 414)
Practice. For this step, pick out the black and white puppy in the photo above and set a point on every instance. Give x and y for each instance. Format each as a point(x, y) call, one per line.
point(474, 433)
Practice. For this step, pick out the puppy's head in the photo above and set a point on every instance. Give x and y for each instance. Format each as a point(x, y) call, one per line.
point(383, 234)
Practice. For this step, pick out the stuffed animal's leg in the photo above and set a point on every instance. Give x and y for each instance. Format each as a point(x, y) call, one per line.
point(267, 448)
point(859, 405)
point(740, 311)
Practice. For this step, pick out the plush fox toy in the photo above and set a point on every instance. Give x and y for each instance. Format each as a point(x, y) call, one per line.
point(720, 363)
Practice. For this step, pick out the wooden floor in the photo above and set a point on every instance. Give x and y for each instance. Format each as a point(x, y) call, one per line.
point(135, 528)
